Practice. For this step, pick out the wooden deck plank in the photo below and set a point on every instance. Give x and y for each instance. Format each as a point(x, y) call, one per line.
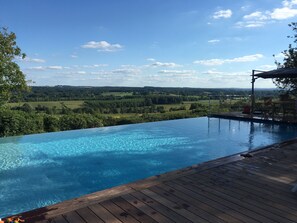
point(201, 210)
point(146, 209)
point(118, 212)
point(173, 206)
point(89, 216)
point(104, 214)
point(258, 197)
point(246, 213)
point(58, 219)
point(244, 175)
point(281, 162)
point(243, 180)
point(242, 200)
point(130, 209)
point(161, 208)
point(200, 203)
point(271, 170)
point(247, 196)
point(278, 195)
point(197, 196)
point(242, 206)
point(73, 217)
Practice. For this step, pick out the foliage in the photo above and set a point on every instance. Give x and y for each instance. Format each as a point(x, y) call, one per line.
point(155, 105)
point(51, 123)
point(79, 121)
point(12, 79)
point(19, 123)
point(290, 61)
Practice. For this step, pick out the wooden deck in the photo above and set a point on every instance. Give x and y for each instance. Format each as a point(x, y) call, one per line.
point(254, 188)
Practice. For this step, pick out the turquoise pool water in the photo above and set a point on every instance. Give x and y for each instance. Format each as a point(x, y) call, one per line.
point(42, 169)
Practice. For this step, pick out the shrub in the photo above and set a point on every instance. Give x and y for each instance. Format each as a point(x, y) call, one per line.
point(19, 123)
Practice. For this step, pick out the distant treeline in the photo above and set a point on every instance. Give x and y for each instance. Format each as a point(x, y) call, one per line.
point(58, 93)
point(107, 106)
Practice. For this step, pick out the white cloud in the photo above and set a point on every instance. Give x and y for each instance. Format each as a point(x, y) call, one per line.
point(222, 14)
point(289, 3)
point(279, 55)
point(43, 68)
point(261, 18)
point(256, 15)
point(283, 13)
point(95, 65)
point(36, 68)
point(267, 67)
point(34, 60)
point(214, 41)
point(216, 62)
point(55, 67)
point(102, 46)
point(127, 71)
point(212, 72)
point(248, 58)
point(73, 56)
point(210, 62)
point(151, 59)
point(160, 64)
point(177, 72)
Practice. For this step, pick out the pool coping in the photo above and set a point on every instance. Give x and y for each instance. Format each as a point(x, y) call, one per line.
point(99, 196)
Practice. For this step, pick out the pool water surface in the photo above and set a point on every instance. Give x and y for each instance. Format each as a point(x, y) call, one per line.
point(43, 169)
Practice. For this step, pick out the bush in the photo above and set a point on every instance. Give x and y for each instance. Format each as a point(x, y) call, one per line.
point(19, 123)
point(51, 123)
point(79, 121)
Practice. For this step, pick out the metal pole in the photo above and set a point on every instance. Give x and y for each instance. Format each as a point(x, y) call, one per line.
point(208, 104)
point(253, 93)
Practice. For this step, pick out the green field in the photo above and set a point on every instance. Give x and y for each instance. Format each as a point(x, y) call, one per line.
point(78, 104)
point(117, 94)
point(50, 104)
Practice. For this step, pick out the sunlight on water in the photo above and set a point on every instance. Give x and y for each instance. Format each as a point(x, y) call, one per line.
point(42, 169)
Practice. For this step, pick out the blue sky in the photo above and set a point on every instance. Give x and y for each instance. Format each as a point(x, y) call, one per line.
point(172, 43)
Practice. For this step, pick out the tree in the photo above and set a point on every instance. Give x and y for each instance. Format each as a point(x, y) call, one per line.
point(290, 61)
point(12, 79)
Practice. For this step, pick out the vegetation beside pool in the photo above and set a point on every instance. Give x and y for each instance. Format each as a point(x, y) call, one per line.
point(48, 109)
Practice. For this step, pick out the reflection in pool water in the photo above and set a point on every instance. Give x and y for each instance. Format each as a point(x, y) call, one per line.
point(42, 169)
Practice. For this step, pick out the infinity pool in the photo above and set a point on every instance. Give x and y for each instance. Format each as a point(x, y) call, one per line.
point(43, 169)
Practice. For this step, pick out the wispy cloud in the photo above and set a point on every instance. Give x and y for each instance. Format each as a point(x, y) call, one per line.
point(177, 72)
point(260, 18)
point(214, 41)
point(95, 65)
point(160, 64)
point(222, 14)
point(55, 67)
point(43, 68)
point(212, 72)
point(34, 60)
point(102, 46)
point(216, 62)
point(36, 68)
point(267, 67)
point(127, 71)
